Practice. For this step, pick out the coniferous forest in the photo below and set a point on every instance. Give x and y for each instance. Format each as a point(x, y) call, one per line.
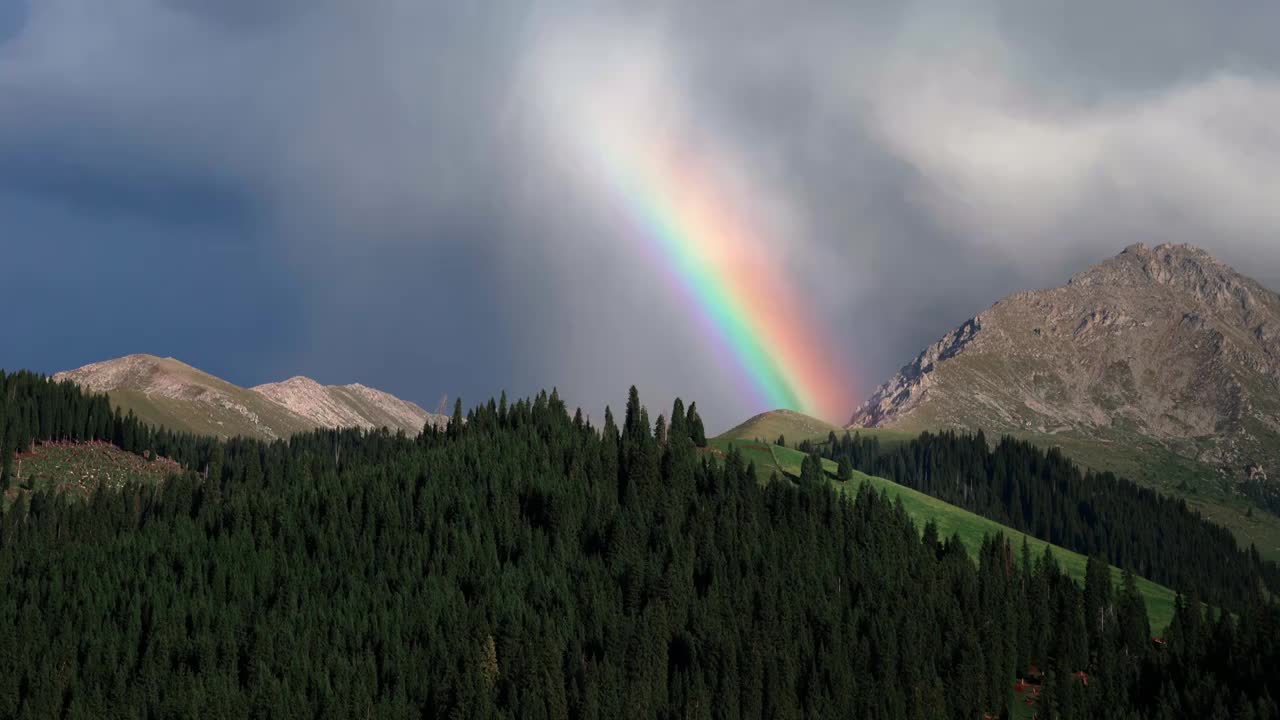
point(34, 409)
point(1046, 495)
point(521, 563)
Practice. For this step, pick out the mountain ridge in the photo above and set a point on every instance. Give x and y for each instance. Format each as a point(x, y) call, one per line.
point(166, 391)
point(352, 405)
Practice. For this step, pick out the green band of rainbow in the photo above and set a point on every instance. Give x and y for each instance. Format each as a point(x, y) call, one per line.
point(734, 282)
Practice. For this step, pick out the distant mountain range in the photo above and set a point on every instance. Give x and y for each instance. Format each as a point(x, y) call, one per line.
point(1160, 363)
point(165, 391)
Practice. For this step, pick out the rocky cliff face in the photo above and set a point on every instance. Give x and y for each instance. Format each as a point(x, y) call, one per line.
point(165, 391)
point(1163, 344)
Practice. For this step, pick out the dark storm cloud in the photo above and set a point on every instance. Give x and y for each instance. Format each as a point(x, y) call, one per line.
point(408, 207)
point(97, 168)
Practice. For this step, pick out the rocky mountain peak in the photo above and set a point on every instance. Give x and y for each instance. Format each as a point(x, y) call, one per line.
point(297, 382)
point(143, 373)
point(1180, 268)
point(1163, 343)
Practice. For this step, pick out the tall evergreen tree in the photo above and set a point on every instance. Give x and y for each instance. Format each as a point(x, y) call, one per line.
point(844, 470)
point(1132, 619)
point(694, 423)
point(811, 470)
point(456, 422)
point(1097, 595)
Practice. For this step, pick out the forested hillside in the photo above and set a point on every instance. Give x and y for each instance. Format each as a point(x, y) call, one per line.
point(947, 520)
point(35, 409)
point(1044, 494)
point(521, 563)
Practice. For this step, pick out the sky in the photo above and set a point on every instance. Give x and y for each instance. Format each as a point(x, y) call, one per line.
point(412, 194)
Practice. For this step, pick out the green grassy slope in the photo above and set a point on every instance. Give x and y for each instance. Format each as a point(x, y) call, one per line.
point(203, 418)
point(795, 426)
point(798, 426)
point(950, 519)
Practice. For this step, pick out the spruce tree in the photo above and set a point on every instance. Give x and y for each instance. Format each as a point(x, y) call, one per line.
point(1097, 595)
point(455, 423)
point(844, 472)
point(632, 427)
point(696, 433)
point(679, 429)
point(811, 470)
point(1132, 618)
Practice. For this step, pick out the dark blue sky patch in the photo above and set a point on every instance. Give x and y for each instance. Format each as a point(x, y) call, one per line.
point(13, 18)
point(417, 315)
point(83, 286)
point(95, 171)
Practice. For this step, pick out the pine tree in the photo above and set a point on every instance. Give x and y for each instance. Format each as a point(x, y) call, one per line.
point(930, 537)
point(1135, 627)
point(844, 471)
point(456, 422)
point(679, 422)
point(696, 433)
point(1097, 595)
point(632, 427)
point(811, 470)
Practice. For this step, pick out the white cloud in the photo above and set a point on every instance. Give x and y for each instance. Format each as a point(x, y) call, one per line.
point(1017, 166)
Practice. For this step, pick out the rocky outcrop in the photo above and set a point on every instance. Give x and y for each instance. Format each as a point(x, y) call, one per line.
point(901, 394)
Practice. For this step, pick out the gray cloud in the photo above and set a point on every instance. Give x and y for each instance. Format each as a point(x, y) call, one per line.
point(417, 171)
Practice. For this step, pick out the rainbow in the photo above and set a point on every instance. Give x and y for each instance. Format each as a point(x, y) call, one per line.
point(730, 275)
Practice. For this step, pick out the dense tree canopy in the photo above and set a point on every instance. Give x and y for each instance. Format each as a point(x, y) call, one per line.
point(523, 564)
point(1044, 494)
